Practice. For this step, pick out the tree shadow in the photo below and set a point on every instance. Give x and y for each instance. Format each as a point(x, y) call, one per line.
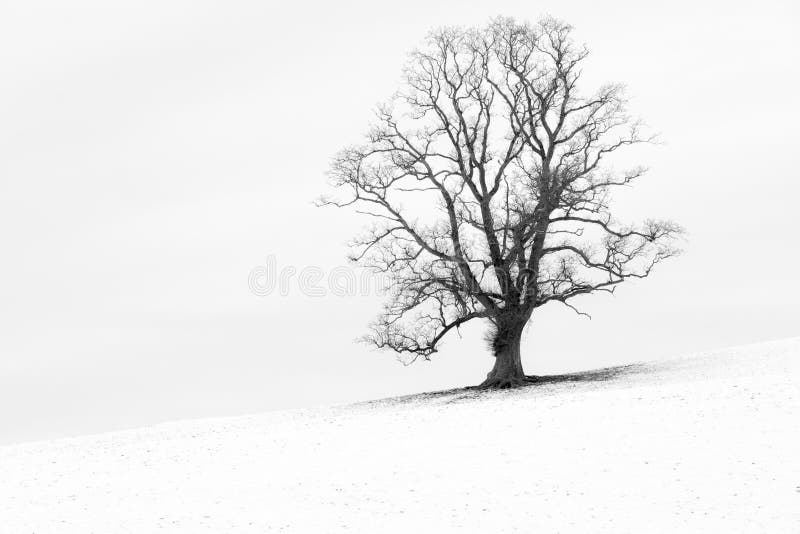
point(595, 375)
point(605, 374)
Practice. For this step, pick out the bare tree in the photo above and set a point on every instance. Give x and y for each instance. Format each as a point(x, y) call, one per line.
point(485, 178)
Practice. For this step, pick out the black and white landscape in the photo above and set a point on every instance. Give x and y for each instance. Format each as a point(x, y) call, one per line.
point(432, 267)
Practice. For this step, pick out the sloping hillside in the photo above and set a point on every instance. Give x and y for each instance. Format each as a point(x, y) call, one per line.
point(704, 443)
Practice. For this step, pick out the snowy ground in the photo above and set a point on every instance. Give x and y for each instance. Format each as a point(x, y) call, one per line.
point(705, 443)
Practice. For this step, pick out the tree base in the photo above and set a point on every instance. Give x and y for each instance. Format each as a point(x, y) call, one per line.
point(508, 382)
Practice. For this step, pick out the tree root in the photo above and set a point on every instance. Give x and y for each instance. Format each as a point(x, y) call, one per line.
point(503, 382)
point(509, 382)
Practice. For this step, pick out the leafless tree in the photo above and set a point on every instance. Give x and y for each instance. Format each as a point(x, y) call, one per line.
point(485, 179)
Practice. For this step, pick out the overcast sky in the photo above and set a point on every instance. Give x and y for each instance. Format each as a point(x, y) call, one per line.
point(152, 154)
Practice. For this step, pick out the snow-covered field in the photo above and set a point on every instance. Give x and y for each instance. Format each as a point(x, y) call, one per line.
point(704, 443)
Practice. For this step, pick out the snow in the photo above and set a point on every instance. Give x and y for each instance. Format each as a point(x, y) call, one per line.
point(702, 443)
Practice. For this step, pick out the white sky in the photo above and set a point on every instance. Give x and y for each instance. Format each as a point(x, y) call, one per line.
point(152, 154)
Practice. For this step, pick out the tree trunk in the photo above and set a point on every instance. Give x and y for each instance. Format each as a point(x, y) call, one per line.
point(507, 371)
